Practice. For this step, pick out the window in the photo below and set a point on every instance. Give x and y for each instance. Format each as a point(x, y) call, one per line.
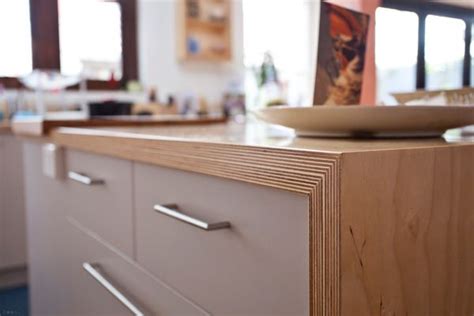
point(15, 53)
point(445, 47)
point(96, 38)
point(90, 38)
point(444, 57)
point(396, 67)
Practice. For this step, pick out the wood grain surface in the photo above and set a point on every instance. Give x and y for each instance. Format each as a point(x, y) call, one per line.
point(259, 135)
point(407, 232)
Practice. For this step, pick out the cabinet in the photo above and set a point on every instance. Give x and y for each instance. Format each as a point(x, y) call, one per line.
point(12, 209)
point(261, 259)
point(67, 257)
point(74, 260)
point(45, 205)
point(105, 282)
point(300, 230)
point(204, 30)
point(262, 256)
point(98, 194)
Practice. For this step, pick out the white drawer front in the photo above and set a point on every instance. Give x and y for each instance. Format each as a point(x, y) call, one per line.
point(258, 266)
point(103, 282)
point(104, 205)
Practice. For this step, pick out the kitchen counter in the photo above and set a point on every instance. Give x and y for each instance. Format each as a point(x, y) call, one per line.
point(387, 224)
point(41, 126)
point(244, 135)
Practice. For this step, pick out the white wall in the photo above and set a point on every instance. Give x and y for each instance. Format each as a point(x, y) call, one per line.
point(289, 33)
point(158, 58)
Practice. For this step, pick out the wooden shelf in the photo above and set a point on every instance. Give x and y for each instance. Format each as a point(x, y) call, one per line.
point(204, 30)
point(206, 24)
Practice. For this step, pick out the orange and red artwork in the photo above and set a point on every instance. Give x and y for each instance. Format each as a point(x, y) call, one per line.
point(341, 56)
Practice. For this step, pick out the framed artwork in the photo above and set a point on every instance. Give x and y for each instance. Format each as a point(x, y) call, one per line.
point(341, 56)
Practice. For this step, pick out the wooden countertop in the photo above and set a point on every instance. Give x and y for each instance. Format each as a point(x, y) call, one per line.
point(256, 135)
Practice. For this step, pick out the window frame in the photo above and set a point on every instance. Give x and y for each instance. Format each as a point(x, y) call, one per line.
point(425, 8)
point(44, 21)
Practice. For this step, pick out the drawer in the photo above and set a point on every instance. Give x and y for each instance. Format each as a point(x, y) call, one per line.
point(257, 266)
point(47, 237)
point(99, 196)
point(101, 281)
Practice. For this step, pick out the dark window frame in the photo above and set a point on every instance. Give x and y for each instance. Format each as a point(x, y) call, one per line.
point(46, 50)
point(423, 8)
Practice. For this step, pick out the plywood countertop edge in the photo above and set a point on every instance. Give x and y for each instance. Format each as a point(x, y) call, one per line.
point(389, 144)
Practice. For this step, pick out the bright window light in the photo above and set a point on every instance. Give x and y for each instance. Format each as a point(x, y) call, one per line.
point(15, 38)
point(396, 51)
point(90, 38)
point(283, 28)
point(445, 46)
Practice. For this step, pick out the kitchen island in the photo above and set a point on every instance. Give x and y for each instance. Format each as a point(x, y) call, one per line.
point(246, 219)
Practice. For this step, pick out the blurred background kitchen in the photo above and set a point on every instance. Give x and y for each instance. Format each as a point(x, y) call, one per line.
point(76, 59)
point(215, 56)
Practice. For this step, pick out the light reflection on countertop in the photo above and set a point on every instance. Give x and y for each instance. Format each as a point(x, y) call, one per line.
point(257, 134)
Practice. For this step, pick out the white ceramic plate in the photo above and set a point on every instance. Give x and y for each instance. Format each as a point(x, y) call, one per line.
point(370, 121)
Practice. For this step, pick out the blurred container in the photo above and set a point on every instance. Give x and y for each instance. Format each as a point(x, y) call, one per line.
point(463, 96)
point(110, 108)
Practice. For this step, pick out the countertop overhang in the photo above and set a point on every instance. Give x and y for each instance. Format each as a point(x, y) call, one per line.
point(243, 135)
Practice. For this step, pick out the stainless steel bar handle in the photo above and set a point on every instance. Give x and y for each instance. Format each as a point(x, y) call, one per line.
point(171, 210)
point(84, 179)
point(92, 270)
